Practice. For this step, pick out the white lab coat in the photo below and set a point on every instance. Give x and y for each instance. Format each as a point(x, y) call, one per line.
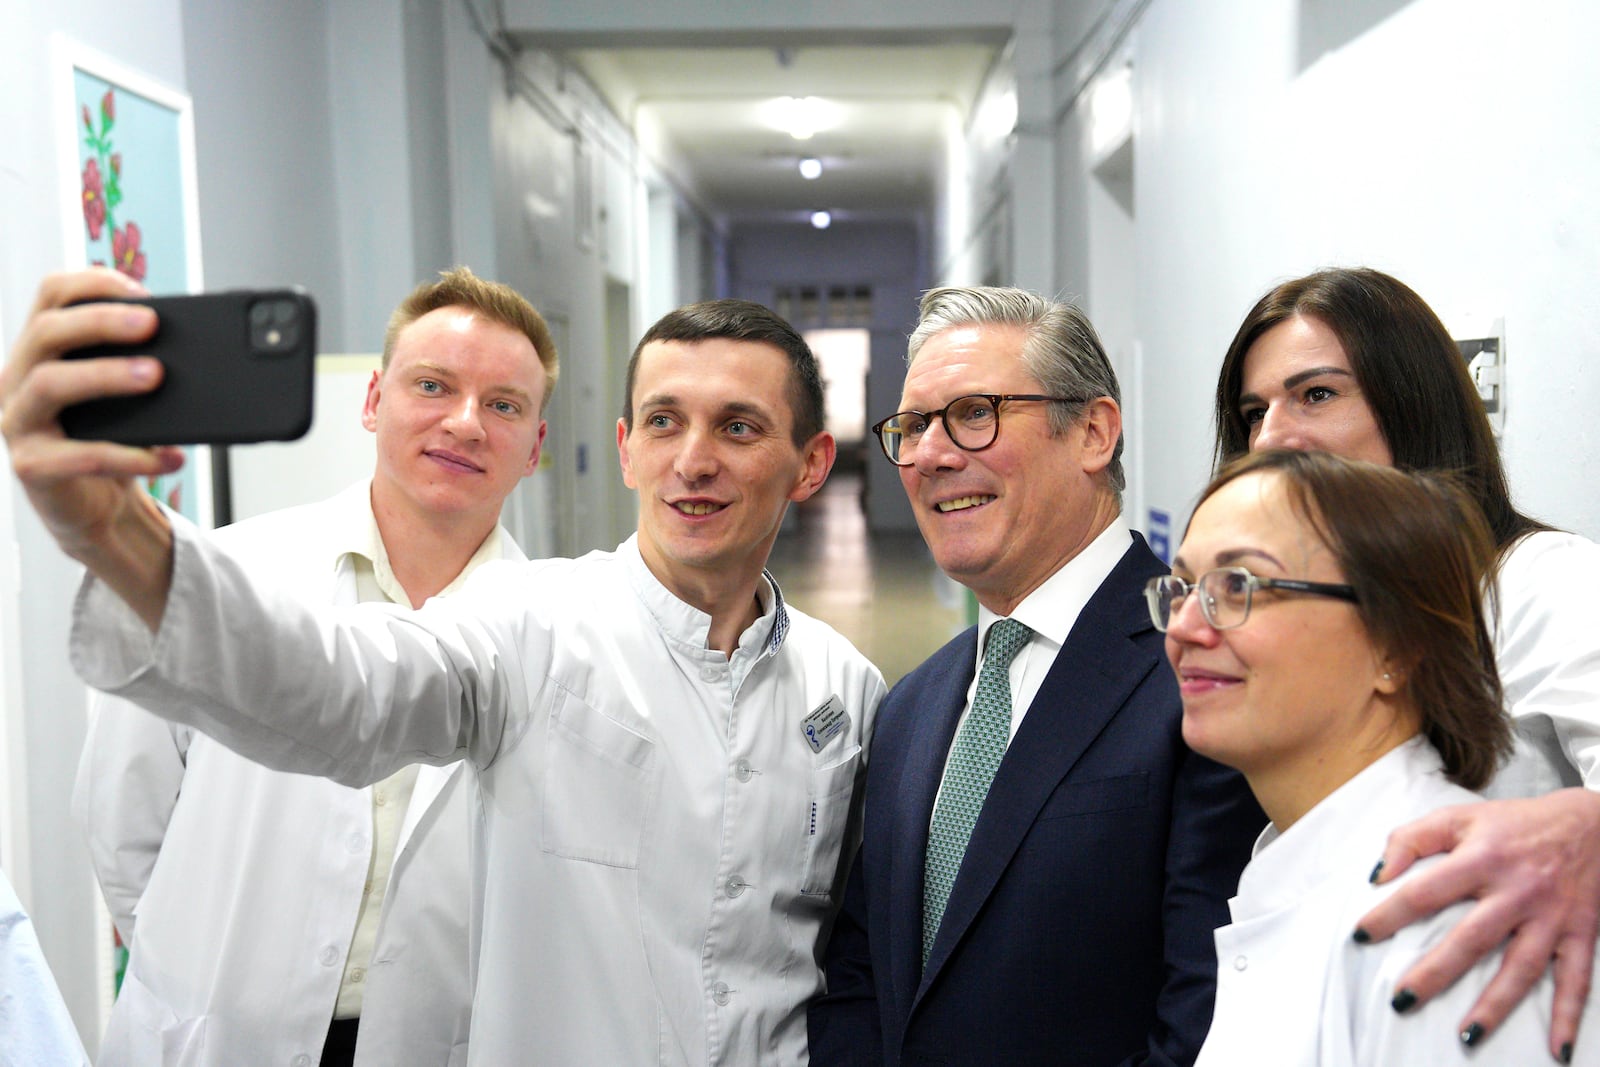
point(238, 887)
point(1547, 648)
point(660, 843)
point(1293, 988)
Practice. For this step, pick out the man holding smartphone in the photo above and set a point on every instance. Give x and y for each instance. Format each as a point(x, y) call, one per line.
point(667, 754)
point(260, 905)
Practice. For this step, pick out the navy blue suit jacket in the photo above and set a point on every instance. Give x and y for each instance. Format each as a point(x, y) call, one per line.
point(1079, 928)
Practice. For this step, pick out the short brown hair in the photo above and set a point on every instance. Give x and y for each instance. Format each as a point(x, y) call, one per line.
point(1420, 556)
point(742, 320)
point(493, 300)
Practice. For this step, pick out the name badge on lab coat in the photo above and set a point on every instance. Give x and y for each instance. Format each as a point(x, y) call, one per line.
point(824, 724)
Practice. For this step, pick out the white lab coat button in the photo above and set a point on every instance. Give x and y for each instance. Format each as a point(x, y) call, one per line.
point(721, 993)
point(380, 799)
point(743, 771)
point(1240, 963)
point(357, 974)
point(709, 674)
point(302, 1060)
point(329, 956)
point(736, 885)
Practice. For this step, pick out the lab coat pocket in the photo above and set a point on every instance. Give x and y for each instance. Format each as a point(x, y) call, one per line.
point(828, 817)
point(597, 775)
point(144, 1030)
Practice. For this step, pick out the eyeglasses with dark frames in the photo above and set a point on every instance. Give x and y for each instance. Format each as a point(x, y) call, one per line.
point(971, 422)
point(1226, 594)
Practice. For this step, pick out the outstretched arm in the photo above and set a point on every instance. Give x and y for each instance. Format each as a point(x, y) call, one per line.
point(1533, 866)
point(85, 490)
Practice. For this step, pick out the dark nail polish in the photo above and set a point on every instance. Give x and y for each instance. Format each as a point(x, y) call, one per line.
point(1472, 1035)
point(1373, 877)
point(1566, 1052)
point(1403, 1001)
point(1360, 937)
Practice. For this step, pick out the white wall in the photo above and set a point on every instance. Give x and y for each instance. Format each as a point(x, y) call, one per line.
point(337, 452)
point(259, 76)
point(44, 704)
point(1451, 143)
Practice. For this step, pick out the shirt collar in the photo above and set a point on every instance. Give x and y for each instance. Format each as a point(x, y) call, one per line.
point(1051, 610)
point(354, 533)
point(1336, 836)
point(688, 625)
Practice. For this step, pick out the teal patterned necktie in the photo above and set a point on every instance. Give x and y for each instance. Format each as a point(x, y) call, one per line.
point(974, 758)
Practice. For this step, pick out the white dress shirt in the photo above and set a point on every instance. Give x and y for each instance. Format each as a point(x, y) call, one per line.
point(1051, 611)
point(658, 849)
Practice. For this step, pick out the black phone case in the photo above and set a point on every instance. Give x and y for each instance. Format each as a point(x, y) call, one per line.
point(219, 388)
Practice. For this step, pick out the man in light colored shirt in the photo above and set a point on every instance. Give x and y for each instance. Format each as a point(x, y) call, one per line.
point(277, 917)
point(667, 754)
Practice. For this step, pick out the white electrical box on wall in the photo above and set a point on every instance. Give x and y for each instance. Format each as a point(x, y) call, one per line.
point(1482, 341)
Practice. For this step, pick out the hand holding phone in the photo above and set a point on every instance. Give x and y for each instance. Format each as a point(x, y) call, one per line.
point(238, 368)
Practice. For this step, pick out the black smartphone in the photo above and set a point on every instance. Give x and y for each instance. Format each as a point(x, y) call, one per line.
point(238, 366)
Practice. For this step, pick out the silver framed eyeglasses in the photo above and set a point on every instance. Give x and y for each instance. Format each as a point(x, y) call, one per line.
point(971, 422)
point(1225, 595)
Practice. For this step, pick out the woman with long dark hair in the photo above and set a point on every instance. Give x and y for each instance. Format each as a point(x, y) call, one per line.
point(1353, 362)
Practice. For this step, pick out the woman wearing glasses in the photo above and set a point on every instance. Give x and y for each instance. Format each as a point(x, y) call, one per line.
point(1354, 363)
point(1324, 621)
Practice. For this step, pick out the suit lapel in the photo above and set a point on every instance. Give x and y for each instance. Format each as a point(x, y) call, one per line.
point(1096, 671)
point(936, 708)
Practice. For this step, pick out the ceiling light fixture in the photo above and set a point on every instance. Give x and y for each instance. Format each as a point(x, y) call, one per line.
point(811, 168)
point(799, 116)
point(821, 220)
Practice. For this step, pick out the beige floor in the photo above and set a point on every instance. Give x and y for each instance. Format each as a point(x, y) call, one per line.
point(883, 591)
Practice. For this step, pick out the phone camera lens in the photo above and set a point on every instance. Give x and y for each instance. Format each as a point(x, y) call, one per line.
point(274, 325)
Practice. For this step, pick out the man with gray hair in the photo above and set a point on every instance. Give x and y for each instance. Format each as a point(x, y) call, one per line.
point(1044, 859)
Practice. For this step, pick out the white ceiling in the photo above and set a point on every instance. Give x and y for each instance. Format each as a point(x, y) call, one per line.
point(892, 106)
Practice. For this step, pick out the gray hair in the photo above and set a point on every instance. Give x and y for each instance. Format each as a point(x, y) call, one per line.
point(1062, 349)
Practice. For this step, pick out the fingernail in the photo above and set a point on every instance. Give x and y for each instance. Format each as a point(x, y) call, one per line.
point(1472, 1035)
point(1373, 877)
point(1403, 1001)
point(1566, 1052)
point(143, 370)
point(1360, 937)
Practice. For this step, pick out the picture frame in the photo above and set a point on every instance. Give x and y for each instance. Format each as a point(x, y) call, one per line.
point(130, 201)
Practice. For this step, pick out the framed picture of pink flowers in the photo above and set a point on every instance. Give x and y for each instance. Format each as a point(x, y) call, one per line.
point(126, 144)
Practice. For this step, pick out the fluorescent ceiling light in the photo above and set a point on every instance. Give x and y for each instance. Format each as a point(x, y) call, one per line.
point(821, 220)
point(800, 117)
point(810, 168)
